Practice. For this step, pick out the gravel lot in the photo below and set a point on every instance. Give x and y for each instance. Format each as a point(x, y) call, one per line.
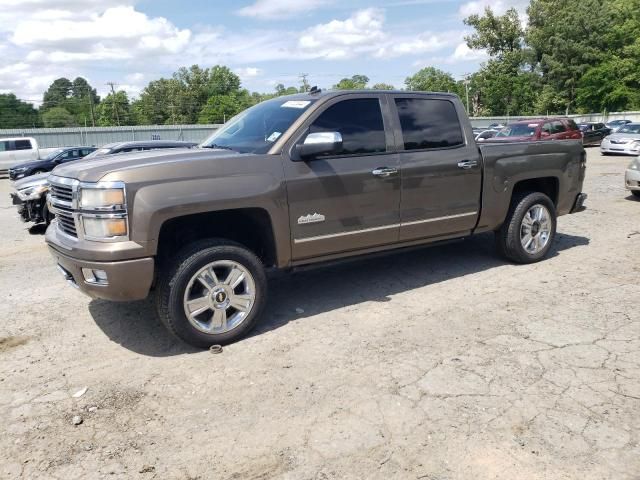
point(440, 363)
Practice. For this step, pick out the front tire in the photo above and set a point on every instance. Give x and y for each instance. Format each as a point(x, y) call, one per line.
point(529, 230)
point(213, 293)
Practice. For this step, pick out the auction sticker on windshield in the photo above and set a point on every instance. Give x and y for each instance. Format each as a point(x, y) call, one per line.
point(295, 104)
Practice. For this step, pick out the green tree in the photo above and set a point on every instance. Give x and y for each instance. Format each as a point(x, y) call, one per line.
point(220, 108)
point(15, 113)
point(56, 117)
point(507, 84)
point(57, 93)
point(222, 81)
point(431, 79)
point(356, 82)
point(115, 110)
point(383, 86)
point(77, 97)
point(569, 37)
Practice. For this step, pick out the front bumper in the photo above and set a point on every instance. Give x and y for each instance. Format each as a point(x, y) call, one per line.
point(128, 279)
point(632, 179)
point(619, 148)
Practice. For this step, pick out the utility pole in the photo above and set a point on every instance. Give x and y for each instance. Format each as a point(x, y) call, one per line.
point(305, 83)
point(93, 114)
point(466, 87)
point(115, 103)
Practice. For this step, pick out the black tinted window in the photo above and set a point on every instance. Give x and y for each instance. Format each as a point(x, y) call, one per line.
point(572, 125)
point(557, 127)
point(359, 121)
point(428, 123)
point(23, 145)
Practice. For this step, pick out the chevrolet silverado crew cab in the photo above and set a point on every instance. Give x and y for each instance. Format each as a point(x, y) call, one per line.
point(295, 181)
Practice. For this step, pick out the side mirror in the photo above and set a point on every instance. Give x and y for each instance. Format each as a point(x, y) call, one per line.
point(320, 143)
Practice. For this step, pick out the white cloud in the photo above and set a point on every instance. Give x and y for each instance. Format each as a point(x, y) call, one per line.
point(360, 33)
point(248, 72)
point(277, 9)
point(477, 7)
point(464, 53)
point(118, 33)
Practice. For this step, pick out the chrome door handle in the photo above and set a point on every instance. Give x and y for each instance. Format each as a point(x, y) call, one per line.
point(467, 164)
point(384, 172)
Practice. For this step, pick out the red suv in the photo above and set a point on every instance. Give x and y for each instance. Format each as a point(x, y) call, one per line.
point(542, 129)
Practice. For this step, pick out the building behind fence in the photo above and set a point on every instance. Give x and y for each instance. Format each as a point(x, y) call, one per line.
point(98, 136)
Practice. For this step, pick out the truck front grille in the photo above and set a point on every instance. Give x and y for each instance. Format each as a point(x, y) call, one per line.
point(61, 198)
point(62, 192)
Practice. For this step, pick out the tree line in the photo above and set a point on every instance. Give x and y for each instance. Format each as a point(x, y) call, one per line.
point(566, 56)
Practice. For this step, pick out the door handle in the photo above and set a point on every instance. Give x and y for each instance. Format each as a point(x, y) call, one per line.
point(467, 164)
point(384, 172)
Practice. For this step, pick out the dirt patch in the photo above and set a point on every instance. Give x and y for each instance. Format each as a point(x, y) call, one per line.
point(7, 343)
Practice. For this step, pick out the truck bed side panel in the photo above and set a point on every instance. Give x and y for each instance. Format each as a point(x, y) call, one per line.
point(507, 164)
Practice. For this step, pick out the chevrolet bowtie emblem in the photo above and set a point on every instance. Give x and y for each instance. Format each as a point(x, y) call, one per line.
point(315, 218)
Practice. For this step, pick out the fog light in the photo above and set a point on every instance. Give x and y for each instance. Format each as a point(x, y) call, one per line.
point(95, 277)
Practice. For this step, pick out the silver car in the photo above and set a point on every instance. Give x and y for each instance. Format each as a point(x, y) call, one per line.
point(625, 141)
point(632, 177)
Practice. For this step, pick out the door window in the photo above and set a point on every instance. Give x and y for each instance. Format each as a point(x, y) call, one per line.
point(359, 121)
point(428, 123)
point(23, 145)
point(557, 127)
point(4, 146)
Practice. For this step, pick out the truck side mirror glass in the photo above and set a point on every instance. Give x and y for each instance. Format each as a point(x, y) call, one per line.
point(320, 143)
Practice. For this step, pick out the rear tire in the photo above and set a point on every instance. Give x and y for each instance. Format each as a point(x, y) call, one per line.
point(529, 229)
point(635, 193)
point(221, 284)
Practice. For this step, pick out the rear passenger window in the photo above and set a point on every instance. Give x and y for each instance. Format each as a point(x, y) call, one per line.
point(572, 125)
point(23, 145)
point(429, 123)
point(359, 121)
point(557, 127)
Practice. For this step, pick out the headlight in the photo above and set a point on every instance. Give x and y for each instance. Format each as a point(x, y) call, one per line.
point(20, 169)
point(102, 198)
point(104, 228)
point(103, 211)
point(33, 193)
point(635, 164)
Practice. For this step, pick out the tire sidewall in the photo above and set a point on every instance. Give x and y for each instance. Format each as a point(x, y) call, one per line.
point(180, 279)
point(521, 210)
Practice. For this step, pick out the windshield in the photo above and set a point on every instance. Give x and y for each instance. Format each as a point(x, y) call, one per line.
point(96, 153)
point(255, 130)
point(53, 154)
point(630, 128)
point(518, 130)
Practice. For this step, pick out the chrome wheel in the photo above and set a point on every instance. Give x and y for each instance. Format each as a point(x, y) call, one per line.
point(535, 229)
point(219, 297)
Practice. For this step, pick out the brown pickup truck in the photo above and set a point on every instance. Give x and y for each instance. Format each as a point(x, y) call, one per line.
point(294, 181)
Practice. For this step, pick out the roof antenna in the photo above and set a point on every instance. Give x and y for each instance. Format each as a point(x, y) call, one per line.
point(314, 90)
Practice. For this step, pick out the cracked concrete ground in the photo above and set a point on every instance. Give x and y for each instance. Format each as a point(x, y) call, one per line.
point(441, 363)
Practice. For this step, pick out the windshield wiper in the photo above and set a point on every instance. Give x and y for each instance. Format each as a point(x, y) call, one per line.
point(214, 146)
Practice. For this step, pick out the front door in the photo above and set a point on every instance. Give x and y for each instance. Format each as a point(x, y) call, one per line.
point(441, 171)
point(349, 200)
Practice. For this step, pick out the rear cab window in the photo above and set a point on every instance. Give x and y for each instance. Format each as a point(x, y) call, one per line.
point(429, 123)
point(23, 145)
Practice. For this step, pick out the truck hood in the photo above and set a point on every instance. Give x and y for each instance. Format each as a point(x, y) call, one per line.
point(31, 181)
point(122, 165)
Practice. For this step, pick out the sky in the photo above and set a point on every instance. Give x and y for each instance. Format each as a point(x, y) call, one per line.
point(266, 42)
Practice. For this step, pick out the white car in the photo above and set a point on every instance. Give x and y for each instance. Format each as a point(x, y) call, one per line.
point(632, 177)
point(17, 150)
point(625, 141)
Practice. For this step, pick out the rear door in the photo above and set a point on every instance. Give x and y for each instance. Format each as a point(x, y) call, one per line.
point(441, 168)
point(24, 150)
point(342, 203)
point(558, 130)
